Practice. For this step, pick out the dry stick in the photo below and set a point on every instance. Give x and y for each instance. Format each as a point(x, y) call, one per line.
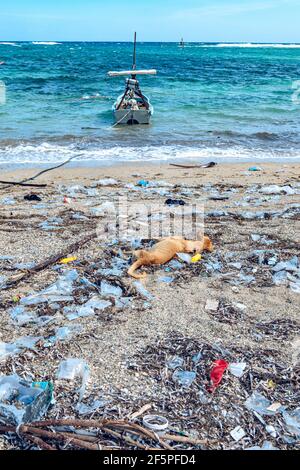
point(77, 423)
point(57, 436)
point(53, 259)
point(184, 439)
point(15, 183)
point(128, 439)
point(185, 166)
point(146, 432)
point(39, 442)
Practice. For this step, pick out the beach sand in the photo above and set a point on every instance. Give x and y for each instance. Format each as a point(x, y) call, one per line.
point(110, 341)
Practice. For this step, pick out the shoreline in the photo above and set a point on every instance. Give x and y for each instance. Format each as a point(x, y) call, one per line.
point(147, 169)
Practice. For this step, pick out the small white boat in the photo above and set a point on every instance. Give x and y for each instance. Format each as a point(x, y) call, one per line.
point(132, 107)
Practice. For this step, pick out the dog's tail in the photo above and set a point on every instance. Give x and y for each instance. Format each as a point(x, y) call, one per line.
point(134, 267)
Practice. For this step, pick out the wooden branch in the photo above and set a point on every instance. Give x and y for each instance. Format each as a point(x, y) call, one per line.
point(16, 183)
point(13, 281)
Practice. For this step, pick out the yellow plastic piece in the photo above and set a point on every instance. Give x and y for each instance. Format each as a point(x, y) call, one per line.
point(68, 260)
point(196, 258)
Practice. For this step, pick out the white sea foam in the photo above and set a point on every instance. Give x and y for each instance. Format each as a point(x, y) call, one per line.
point(262, 45)
point(52, 153)
point(3, 43)
point(45, 43)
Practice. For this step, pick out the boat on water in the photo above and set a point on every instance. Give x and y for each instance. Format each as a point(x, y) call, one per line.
point(132, 107)
point(181, 44)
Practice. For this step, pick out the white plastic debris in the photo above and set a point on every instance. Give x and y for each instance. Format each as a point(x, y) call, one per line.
point(271, 430)
point(237, 368)
point(238, 433)
point(155, 423)
point(212, 305)
point(72, 369)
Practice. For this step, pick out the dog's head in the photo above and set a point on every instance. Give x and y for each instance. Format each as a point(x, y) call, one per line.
point(207, 244)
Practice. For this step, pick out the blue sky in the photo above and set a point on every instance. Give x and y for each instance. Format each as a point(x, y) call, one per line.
point(155, 20)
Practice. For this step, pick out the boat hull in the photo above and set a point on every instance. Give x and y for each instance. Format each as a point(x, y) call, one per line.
point(130, 117)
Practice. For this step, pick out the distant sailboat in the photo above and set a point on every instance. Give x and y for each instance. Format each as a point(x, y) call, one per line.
point(132, 107)
point(181, 44)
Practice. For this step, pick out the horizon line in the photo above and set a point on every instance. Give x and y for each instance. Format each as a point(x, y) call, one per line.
point(143, 42)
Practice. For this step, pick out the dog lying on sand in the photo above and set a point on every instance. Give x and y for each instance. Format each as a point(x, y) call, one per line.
point(165, 250)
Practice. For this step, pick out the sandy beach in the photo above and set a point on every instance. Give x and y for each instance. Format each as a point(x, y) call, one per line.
point(253, 219)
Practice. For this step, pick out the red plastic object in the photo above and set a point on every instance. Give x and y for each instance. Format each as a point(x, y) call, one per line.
point(217, 373)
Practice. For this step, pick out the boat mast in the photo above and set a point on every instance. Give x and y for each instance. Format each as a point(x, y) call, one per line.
point(134, 55)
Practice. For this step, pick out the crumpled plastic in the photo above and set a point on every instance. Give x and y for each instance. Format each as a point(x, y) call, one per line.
point(216, 375)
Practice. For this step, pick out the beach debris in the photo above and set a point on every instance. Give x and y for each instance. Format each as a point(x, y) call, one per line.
point(32, 197)
point(22, 401)
point(60, 291)
point(86, 410)
point(73, 368)
point(68, 260)
point(212, 305)
point(218, 369)
point(184, 257)
point(73, 312)
point(260, 404)
point(184, 378)
point(175, 202)
point(155, 423)
point(255, 168)
point(237, 368)
point(238, 433)
point(175, 362)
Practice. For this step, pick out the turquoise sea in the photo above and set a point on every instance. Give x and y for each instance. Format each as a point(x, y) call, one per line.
point(212, 101)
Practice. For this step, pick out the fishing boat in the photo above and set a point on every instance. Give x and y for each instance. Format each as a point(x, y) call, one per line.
point(132, 107)
point(181, 44)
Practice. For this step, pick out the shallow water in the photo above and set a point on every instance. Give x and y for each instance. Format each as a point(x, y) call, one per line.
point(211, 101)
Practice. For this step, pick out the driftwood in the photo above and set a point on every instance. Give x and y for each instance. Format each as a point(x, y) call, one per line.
point(205, 165)
point(16, 183)
point(131, 434)
point(14, 280)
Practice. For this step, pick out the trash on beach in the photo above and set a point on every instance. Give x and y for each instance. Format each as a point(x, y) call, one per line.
point(73, 312)
point(237, 368)
point(8, 349)
point(72, 369)
point(255, 168)
point(86, 410)
point(8, 201)
point(108, 290)
point(184, 378)
point(22, 401)
point(196, 258)
point(68, 260)
point(60, 291)
point(275, 189)
point(216, 375)
point(21, 316)
point(32, 197)
point(155, 423)
point(212, 305)
point(238, 433)
point(63, 333)
point(175, 202)
point(184, 257)
point(175, 362)
point(142, 290)
point(260, 404)
point(166, 279)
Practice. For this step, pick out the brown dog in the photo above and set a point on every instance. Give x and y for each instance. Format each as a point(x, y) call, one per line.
point(165, 250)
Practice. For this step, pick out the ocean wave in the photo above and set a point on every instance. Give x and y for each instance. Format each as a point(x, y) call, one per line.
point(256, 45)
point(4, 43)
point(45, 43)
point(45, 153)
